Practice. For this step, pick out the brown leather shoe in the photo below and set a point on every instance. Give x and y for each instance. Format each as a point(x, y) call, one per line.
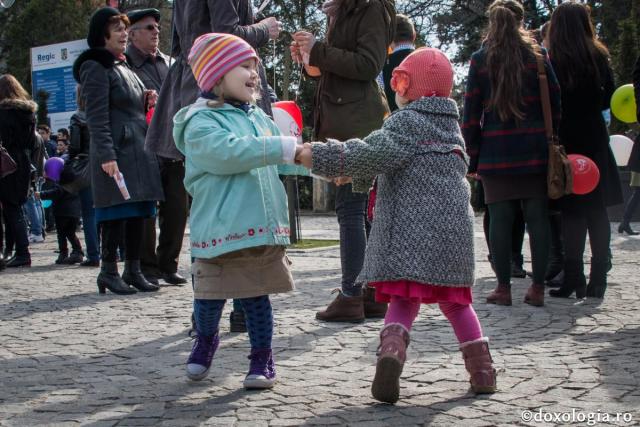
point(501, 295)
point(343, 309)
point(479, 364)
point(392, 353)
point(372, 309)
point(535, 295)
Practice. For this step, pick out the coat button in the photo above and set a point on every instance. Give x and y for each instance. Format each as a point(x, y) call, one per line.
point(339, 99)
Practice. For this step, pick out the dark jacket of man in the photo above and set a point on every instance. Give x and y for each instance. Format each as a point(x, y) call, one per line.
point(349, 101)
point(79, 135)
point(392, 62)
point(115, 114)
point(191, 19)
point(152, 72)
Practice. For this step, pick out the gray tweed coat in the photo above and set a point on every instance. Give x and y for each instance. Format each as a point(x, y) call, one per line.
point(423, 226)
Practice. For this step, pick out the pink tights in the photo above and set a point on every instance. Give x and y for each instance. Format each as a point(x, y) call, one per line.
point(463, 318)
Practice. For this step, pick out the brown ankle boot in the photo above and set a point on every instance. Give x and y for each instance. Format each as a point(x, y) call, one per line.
point(372, 309)
point(501, 295)
point(479, 364)
point(392, 352)
point(535, 295)
point(343, 309)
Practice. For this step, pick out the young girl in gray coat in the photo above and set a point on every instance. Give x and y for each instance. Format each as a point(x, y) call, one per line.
point(420, 250)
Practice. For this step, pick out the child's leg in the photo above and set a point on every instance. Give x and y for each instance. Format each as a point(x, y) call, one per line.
point(474, 347)
point(71, 235)
point(259, 317)
point(207, 313)
point(207, 316)
point(403, 311)
point(392, 352)
point(464, 321)
point(62, 240)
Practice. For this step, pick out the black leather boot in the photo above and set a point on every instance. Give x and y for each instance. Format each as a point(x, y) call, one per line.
point(110, 279)
point(624, 227)
point(574, 281)
point(19, 261)
point(132, 275)
point(598, 278)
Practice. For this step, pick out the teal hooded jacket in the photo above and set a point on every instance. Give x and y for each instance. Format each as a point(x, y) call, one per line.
point(231, 162)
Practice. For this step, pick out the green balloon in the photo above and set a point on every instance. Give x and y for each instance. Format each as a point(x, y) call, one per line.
point(623, 104)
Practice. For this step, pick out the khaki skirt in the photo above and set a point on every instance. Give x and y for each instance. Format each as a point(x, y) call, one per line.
point(246, 273)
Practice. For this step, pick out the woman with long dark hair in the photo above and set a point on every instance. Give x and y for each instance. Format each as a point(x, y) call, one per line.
point(505, 136)
point(115, 100)
point(581, 63)
point(18, 136)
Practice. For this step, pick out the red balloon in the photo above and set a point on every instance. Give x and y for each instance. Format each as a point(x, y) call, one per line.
point(585, 174)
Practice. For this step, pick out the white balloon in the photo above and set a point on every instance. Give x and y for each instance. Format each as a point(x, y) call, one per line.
point(286, 124)
point(621, 147)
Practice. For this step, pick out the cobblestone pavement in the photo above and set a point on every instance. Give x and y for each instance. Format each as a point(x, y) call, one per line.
point(69, 356)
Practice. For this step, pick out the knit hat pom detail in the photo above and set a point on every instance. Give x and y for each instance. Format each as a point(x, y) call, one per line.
point(214, 54)
point(425, 72)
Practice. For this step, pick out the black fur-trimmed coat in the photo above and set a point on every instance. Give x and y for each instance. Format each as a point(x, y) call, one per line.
point(18, 136)
point(114, 107)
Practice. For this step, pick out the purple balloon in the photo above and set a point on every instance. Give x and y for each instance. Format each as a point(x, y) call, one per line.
point(53, 168)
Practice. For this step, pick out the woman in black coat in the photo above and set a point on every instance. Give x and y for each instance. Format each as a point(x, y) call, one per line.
point(18, 136)
point(581, 63)
point(115, 101)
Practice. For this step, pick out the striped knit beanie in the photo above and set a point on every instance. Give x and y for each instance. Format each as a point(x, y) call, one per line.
point(213, 55)
point(425, 72)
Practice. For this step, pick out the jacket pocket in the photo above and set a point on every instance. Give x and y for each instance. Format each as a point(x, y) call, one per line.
point(344, 91)
point(126, 136)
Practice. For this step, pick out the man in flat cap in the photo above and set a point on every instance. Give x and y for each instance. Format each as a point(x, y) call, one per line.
point(152, 67)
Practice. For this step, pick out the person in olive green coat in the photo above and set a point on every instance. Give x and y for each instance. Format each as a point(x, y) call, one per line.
point(349, 104)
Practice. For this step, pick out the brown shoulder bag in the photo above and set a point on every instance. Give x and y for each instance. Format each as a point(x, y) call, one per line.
point(7, 164)
point(559, 173)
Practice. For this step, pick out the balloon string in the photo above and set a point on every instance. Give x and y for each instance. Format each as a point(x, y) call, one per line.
point(300, 77)
point(273, 53)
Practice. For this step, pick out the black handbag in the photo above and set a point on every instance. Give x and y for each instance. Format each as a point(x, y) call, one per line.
point(76, 175)
point(477, 195)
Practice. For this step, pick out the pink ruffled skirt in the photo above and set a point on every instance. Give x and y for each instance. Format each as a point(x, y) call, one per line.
point(422, 292)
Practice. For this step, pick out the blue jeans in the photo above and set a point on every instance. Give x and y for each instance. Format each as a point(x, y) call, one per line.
point(33, 210)
point(351, 209)
point(89, 225)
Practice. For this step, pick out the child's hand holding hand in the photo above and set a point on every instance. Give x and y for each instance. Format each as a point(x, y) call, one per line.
point(303, 155)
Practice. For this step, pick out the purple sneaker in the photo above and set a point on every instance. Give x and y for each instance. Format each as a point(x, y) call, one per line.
point(262, 371)
point(201, 356)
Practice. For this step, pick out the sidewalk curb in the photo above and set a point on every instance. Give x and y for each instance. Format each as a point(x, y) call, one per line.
point(311, 250)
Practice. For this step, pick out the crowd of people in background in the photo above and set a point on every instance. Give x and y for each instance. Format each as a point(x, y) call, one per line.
point(210, 107)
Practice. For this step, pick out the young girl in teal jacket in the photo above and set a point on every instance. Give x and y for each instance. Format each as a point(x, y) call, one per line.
point(239, 216)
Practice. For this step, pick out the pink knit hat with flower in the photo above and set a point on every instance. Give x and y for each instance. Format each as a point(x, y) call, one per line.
point(425, 72)
point(213, 55)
